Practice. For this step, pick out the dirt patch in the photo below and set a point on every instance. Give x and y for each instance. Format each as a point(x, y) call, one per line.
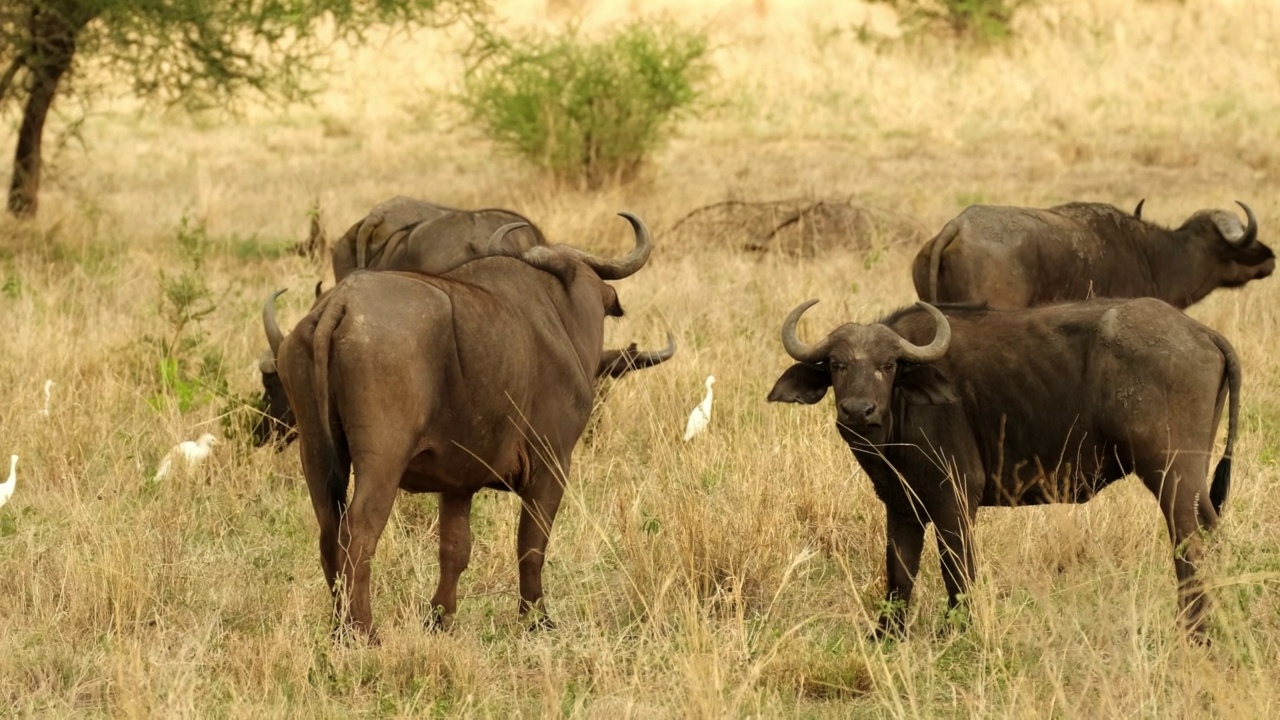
point(800, 227)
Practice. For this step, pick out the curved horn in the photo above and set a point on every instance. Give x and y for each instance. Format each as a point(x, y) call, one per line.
point(654, 357)
point(1137, 212)
point(274, 336)
point(794, 345)
point(616, 269)
point(1250, 233)
point(494, 246)
point(934, 350)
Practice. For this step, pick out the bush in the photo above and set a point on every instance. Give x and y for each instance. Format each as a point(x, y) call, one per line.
point(587, 112)
point(188, 371)
point(981, 20)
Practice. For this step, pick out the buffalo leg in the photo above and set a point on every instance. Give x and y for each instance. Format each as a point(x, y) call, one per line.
point(538, 512)
point(455, 554)
point(955, 549)
point(905, 538)
point(377, 483)
point(1185, 513)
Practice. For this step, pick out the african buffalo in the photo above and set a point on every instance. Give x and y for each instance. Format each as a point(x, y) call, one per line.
point(948, 410)
point(407, 234)
point(1011, 257)
point(482, 377)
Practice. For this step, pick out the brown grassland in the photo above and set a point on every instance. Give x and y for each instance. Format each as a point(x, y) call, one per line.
point(731, 576)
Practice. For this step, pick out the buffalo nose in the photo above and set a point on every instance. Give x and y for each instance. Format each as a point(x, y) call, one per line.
point(858, 410)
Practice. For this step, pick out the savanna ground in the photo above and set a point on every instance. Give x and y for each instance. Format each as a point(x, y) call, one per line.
point(731, 576)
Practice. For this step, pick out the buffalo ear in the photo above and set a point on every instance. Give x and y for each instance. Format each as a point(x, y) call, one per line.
point(612, 306)
point(926, 385)
point(801, 383)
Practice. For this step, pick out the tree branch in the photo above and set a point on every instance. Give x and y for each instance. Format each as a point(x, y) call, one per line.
point(7, 79)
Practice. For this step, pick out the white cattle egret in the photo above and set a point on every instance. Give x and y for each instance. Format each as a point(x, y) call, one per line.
point(48, 386)
point(701, 415)
point(6, 488)
point(192, 453)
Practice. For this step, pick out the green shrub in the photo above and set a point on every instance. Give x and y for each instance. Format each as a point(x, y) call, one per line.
point(187, 370)
point(981, 20)
point(587, 112)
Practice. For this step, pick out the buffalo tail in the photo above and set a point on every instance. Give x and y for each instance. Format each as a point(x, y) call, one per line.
point(1221, 486)
point(325, 327)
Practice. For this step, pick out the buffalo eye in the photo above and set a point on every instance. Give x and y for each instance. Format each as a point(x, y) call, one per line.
point(889, 367)
point(837, 367)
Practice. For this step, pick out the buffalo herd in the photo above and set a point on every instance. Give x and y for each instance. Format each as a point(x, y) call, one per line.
point(1049, 357)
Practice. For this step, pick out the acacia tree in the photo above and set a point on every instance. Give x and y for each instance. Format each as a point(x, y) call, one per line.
point(193, 52)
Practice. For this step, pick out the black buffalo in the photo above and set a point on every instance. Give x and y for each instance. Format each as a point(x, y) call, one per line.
point(1011, 257)
point(480, 378)
point(950, 410)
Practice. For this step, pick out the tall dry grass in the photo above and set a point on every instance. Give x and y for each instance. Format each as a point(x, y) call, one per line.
point(732, 576)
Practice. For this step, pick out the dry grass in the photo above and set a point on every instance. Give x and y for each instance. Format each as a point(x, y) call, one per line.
point(732, 576)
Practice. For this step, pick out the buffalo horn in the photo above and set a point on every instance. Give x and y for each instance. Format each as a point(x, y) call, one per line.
point(794, 345)
point(649, 358)
point(616, 269)
point(1251, 232)
point(934, 350)
point(274, 336)
point(1137, 212)
point(495, 240)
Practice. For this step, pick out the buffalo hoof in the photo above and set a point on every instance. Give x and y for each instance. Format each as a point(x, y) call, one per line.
point(956, 620)
point(1194, 619)
point(438, 621)
point(892, 627)
point(1200, 636)
point(534, 616)
point(886, 636)
point(947, 630)
point(537, 620)
point(355, 635)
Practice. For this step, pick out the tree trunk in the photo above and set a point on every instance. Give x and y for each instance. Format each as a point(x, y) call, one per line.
point(53, 43)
